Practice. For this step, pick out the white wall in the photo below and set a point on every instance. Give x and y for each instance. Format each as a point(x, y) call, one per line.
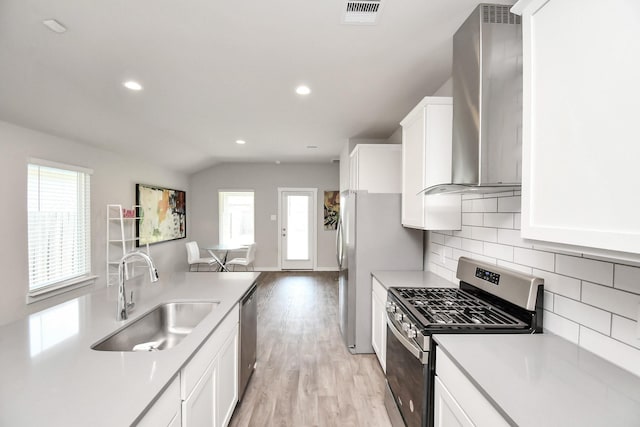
point(446, 89)
point(591, 302)
point(264, 179)
point(113, 181)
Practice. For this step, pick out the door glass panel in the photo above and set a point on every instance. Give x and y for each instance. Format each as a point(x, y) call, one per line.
point(297, 227)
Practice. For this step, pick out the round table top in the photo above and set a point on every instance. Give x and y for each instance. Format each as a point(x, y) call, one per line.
point(221, 247)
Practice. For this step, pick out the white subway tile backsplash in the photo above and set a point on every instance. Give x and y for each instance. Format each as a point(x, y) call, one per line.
point(464, 232)
point(458, 253)
point(512, 237)
point(484, 233)
point(621, 354)
point(584, 314)
point(558, 284)
point(436, 238)
point(611, 299)
point(495, 250)
point(586, 269)
point(453, 241)
point(509, 204)
point(627, 278)
point(483, 258)
point(474, 246)
point(472, 218)
point(480, 205)
point(533, 258)
point(590, 301)
point(625, 330)
point(548, 301)
point(560, 326)
point(498, 220)
point(517, 267)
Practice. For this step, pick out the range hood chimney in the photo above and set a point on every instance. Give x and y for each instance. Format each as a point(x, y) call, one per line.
point(487, 103)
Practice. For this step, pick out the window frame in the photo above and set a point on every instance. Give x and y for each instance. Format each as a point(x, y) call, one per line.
point(221, 205)
point(87, 277)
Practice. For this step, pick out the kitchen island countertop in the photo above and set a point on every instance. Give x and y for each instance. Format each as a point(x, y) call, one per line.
point(544, 380)
point(51, 376)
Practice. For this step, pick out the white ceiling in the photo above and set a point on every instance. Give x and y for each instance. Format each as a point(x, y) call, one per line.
point(215, 71)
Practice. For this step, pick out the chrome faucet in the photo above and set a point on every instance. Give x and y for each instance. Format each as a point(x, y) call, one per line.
point(123, 305)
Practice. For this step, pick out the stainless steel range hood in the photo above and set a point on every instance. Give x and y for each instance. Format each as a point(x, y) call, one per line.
point(487, 103)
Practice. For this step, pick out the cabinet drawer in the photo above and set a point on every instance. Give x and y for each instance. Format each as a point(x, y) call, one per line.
point(193, 371)
point(472, 402)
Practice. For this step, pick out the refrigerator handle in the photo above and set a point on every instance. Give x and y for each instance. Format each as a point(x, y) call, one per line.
point(339, 246)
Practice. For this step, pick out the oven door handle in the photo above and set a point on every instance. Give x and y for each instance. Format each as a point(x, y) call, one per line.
point(422, 356)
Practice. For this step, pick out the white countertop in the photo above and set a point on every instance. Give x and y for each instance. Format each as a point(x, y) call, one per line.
point(544, 380)
point(49, 375)
point(412, 279)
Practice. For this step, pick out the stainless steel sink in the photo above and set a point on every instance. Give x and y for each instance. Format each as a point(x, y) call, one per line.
point(162, 328)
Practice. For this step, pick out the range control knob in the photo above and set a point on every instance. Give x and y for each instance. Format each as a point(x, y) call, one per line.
point(399, 317)
point(391, 307)
point(406, 326)
point(412, 333)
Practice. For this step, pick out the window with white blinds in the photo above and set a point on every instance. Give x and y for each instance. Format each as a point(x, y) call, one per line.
point(58, 225)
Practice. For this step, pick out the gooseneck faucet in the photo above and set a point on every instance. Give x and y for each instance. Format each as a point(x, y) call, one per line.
point(123, 306)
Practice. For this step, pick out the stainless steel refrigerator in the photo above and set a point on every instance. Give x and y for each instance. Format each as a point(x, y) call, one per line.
point(370, 237)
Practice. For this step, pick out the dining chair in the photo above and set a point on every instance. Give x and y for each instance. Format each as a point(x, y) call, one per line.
point(195, 260)
point(247, 261)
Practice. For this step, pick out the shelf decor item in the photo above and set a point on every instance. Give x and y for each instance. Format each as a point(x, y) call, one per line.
point(162, 212)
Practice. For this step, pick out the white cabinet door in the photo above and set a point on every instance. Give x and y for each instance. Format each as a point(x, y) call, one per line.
point(227, 381)
point(447, 412)
point(581, 108)
point(376, 168)
point(464, 400)
point(166, 409)
point(199, 409)
point(379, 323)
point(426, 161)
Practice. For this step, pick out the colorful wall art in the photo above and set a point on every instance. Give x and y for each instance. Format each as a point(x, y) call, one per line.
point(162, 212)
point(331, 209)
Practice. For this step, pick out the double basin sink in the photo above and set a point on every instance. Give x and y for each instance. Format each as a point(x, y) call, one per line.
point(162, 328)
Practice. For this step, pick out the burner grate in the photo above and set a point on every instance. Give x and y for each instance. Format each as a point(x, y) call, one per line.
point(449, 307)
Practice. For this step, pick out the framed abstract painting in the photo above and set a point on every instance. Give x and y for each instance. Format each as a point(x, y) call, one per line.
point(162, 213)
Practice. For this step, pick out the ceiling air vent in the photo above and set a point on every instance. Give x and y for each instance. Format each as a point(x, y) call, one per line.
point(361, 11)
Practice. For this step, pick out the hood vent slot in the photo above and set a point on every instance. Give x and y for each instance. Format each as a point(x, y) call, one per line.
point(498, 14)
point(362, 12)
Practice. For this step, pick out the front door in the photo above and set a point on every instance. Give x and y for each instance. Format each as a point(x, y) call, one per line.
point(297, 228)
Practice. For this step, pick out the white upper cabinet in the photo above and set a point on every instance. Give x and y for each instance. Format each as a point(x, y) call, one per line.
point(426, 161)
point(580, 130)
point(376, 168)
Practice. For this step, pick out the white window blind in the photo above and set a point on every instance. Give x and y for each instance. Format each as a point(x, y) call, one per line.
point(236, 217)
point(58, 225)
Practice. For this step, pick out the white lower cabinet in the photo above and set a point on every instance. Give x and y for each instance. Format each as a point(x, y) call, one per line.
point(457, 401)
point(165, 411)
point(209, 382)
point(379, 322)
point(447, 412)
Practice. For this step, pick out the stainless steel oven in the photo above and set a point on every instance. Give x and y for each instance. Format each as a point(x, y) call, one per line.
point(489, 299)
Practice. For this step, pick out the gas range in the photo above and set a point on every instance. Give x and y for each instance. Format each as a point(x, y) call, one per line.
point(489, 299)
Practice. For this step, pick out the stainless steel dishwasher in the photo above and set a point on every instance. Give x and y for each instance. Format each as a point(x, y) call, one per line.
point(248, 338)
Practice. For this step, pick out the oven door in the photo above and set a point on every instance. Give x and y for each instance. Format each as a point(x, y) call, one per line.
point(407, 376)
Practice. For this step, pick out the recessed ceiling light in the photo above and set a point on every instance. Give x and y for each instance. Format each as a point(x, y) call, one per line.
point(54, 26)
point(312, 147)
point(303, 90)
point(240, 141)
point(131, 85)
point(277, 162)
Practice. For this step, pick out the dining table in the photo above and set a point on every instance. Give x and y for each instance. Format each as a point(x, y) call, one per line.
point(220, 252)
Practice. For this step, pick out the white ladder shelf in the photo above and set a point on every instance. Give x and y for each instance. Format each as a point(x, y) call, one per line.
point(121, 239)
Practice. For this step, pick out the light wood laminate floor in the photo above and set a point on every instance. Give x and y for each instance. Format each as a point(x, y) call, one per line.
point(305, 376)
